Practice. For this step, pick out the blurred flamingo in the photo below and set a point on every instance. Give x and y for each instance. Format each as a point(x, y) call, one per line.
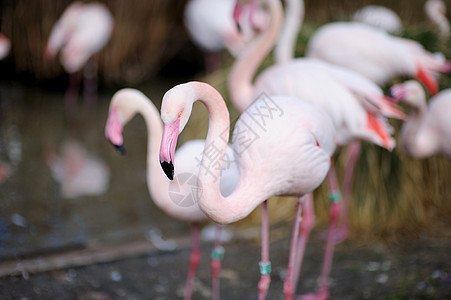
point(176, 198)
point(81, 32)
point(78, 171)
point(211, 26)
point(376, 54)
point(380, 17)
point(282, 146)
point(355, 105)
point(427, 131)
point(436, 12)
point(5, 46)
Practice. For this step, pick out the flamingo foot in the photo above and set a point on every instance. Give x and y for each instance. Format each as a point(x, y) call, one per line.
point(322, 295)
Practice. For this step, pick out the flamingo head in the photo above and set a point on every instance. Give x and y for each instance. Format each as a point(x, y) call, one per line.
point(411, 92)
point(120, 113)
point(175, 112)
point(237, 11)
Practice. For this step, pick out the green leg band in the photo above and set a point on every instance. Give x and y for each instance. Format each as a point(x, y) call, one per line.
point(265, 268)
point(335, 196)
point(218, 253)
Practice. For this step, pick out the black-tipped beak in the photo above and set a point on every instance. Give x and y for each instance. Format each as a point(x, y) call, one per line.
point(168, 168)
point(119, 148)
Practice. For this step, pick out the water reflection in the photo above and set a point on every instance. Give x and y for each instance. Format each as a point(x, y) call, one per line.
point(78, 171)
point(62, 185)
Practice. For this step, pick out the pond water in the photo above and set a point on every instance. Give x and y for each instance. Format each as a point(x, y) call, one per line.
point(62, 185)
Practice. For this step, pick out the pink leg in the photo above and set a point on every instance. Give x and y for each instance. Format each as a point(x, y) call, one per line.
point(193, 263)
point(353, 152)
point(71, 95)
point(335, 211)
point(308, 219)
point(90, 81)
point(265, 264)
point(216, 257)
point(288, 289)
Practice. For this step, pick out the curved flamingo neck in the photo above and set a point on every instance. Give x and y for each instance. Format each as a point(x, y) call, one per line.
point(240, 82)
point(220, 209)
point(411, 127)
point(294, 17)
point(438, 18)
point(156, 180)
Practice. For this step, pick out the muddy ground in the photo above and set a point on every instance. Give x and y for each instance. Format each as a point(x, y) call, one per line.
point(418, 268)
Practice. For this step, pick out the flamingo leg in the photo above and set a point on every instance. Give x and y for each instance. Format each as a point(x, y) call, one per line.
point(352, 156)
point(334, 211)
point(90, 81)
point(216, 257)
point(288, 289)
point(71, 95)
point(265, 264)
point(308, 219)
point(193, 262)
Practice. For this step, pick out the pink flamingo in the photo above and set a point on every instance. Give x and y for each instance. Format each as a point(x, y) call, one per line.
point(211, 26)
point(282, 146)
point(427, 131)
point(436, 12)
point(354, 104)
point(81, 32)
point(376, 54)
point(5, 46)
point(380, 17)
point(174, 197)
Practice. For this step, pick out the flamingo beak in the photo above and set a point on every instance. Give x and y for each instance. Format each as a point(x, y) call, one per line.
point(237, 13)
point(167, 147)
point(113, 131)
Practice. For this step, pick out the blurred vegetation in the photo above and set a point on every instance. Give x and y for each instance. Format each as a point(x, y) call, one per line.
point(393, 194)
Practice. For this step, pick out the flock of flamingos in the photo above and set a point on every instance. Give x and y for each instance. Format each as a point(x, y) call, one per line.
point(294, 114)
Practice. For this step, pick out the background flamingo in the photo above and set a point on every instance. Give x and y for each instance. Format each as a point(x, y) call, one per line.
point(380, 17)
point(287, 153)
point(81, 32)
point(211, 26)
point(436, 12)
point(5, 46)
point(174, 197)
point(427, 131)
point(376, 54)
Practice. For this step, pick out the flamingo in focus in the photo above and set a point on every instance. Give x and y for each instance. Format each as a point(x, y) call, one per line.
point(174, 197)
point(427, 131)
point(436, 12)
point(210, 24)
point(380, 17)
point(5, 46)
point(282, 146)
point(80, 33)
point(376, 54)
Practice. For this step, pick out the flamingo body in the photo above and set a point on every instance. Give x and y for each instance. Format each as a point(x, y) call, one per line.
point(82, 31)
point(379, 16)
point(427, 131)
point(211, 25)
point(375, 54)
